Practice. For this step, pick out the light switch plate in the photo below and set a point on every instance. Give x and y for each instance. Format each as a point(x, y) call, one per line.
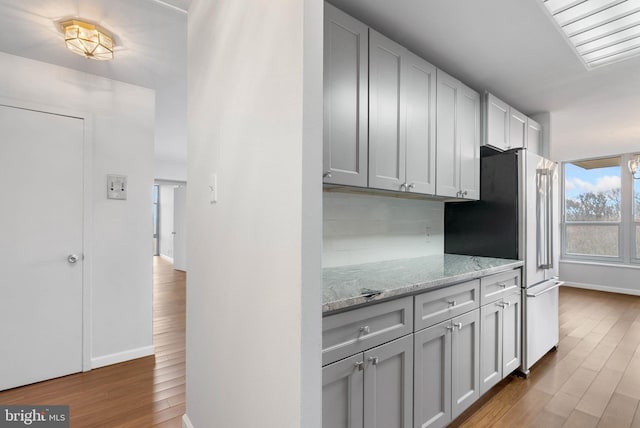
point(117, 187)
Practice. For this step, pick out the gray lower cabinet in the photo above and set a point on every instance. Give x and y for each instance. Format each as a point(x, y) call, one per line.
point(372, 389)
point(343, 393)
point(446, 374)
point(500, 340)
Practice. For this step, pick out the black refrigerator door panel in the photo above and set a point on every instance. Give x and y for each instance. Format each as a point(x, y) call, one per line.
point(488, 227)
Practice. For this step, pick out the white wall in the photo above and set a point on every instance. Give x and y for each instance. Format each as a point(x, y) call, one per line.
point(599, 276)
point(120, 255)
point(170, 170)
point(166, 220)
point(367, 228)
point(254, 283)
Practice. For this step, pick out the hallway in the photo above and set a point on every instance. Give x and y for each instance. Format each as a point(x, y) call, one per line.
point(141, 393)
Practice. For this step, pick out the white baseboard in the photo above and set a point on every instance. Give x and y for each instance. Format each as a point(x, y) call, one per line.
point(186, 422)
point(604, 288)
point(167, 258)
point(120, 357)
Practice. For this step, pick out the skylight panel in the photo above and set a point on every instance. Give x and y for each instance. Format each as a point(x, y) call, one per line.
point(601, 31)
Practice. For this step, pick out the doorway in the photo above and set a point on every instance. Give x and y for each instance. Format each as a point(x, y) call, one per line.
point(41, 310)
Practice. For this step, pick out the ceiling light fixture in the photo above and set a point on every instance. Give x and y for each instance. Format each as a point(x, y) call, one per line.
point(87, 40)
point(634, 167)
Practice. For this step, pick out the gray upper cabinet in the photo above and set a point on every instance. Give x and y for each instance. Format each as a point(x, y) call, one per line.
point(496, 122)
point(517, 129)
point(401, 118)
point(534, 136)
point(458, 139)
point(343, 393)
point(345, 99)
point(388, 385)
point(386, 145)
point(469, 135)
point(419, 91)
point(505, 127)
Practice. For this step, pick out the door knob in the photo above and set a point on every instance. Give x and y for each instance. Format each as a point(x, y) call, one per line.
point(72, 258)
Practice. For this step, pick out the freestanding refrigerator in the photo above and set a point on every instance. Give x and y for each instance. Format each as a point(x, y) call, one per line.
point(517, 217)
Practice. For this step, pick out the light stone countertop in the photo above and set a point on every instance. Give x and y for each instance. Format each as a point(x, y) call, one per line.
point(355, 285)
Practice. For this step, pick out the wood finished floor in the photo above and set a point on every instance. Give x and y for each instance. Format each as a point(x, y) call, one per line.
point(593, 380)
point(147, 392)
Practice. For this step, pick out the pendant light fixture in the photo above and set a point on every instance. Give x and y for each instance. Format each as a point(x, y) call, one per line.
point(634, 166)
point(87, 40)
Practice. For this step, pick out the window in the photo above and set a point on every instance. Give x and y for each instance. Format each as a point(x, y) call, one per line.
point(593, 208)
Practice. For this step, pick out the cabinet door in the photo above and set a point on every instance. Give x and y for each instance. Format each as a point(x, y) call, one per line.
point(345, 99)
point(432, 376)
point(465, 365)
point(469, 136)
point(419, 101)
point(517, 129)
point(490, 345)
point(496, 123)
point(343, 393)
point(386, 146)
point(447, 157)
point(511, 334)
point(534, 136)
point(388, 385)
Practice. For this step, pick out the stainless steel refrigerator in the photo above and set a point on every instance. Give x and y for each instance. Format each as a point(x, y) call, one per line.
point(517, 217)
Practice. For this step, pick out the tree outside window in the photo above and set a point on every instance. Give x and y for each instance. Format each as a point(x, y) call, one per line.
point(593, 207)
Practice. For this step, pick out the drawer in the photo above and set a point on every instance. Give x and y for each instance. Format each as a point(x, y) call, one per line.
point(436, 306)
point(497, 286)
point(357, 330)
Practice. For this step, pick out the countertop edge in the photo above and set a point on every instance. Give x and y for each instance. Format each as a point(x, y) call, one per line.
point(358, 301)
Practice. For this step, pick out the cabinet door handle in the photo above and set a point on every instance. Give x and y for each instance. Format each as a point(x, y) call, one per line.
point(359, 365)
point(450, 327)
point(464, 193)
point(507, 303)
point(412, 185)
point(365, 329)
point(451, 302)
point(403, 187)
point(327, 174)
point(373, 360)
point(503, 285)
point(458, 325)
point(500, 304)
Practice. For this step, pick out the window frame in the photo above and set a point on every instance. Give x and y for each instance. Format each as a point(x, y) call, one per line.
point(626, 242)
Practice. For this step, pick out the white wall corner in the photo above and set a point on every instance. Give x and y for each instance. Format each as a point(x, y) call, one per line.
point(119, 357)
point(167, 258)
point(186, 422)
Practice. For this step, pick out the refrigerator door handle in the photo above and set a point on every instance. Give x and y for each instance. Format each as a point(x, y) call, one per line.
point(544, 230)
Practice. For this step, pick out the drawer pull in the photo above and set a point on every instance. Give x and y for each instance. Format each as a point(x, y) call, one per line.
point(451, 302)
point(503, 285)
point(501, 304)
point(458, 325)
point(365, 329)
point(450, 327)
point(373, 360)
point(359, 365)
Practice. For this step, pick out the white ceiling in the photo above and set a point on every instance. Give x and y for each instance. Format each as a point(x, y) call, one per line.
point(509, 47)
point(151, 41)
point(513, 49)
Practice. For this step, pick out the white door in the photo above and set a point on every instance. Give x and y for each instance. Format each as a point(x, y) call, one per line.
point(41, 171)
point(180, 228)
